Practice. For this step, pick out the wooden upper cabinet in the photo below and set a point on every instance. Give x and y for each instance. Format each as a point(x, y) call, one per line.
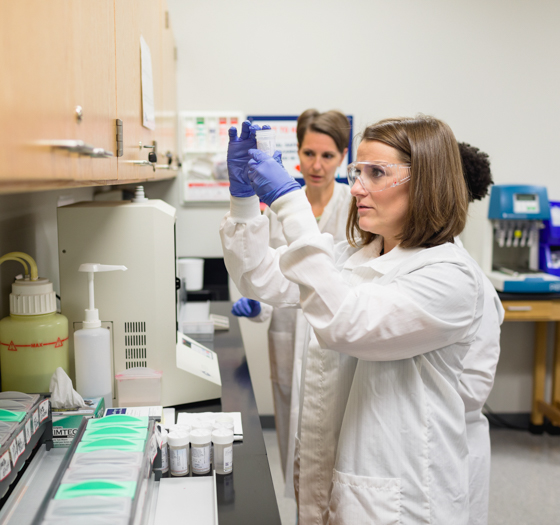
point(135, 19)
point(166, 107)
point(54, 57)
point(69, 70)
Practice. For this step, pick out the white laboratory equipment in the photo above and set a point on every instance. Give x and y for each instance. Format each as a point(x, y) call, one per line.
point(516, 213)
point(139, 305)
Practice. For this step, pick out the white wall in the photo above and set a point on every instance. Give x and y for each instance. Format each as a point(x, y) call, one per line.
point(28, 224)
point(490, 69)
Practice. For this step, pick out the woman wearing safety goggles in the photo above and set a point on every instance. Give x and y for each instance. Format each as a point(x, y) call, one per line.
point(393, 311)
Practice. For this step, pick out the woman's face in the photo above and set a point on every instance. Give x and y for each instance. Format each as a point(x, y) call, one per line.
point(383, 212)
point(319, 158)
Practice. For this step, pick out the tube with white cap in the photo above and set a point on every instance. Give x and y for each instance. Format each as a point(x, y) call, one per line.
point(92, 346)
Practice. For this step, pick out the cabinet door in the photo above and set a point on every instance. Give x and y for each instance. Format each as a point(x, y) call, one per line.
point(35, 101)
point(135, 18)
point(166, 114)
point(55, 56)
point(95, 85)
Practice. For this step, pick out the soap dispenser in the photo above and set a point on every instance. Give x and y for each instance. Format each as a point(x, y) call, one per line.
point(92, 346)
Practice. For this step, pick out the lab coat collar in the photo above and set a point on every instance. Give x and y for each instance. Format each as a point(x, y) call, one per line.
point(369, 257)
point(338, 194)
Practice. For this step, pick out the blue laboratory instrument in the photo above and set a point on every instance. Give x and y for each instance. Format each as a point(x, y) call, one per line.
point(549, 251)
point(517, 213)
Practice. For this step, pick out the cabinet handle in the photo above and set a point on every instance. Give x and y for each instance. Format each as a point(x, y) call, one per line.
point(72, 146)
point(76, 146)
point(166, 167)
point(100, 153)
point(519, 308)
point(142, 163)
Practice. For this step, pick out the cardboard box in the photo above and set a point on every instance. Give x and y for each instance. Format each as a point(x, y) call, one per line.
point(67, 421)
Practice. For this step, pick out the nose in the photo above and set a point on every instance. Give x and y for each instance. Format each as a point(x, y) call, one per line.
point(357, 189)
point(317, 163)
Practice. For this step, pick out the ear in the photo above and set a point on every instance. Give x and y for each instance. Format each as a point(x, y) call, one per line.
point(344, 155)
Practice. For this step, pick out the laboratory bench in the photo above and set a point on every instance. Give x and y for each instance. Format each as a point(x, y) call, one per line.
point(245, 496)
point(540, 309)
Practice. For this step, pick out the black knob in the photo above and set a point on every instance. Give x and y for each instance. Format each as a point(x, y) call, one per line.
point(152, 157)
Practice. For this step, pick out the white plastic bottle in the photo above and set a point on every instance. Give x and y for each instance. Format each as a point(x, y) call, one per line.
point(92, 347)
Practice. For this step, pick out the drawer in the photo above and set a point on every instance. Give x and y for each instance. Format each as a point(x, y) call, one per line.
point(531, 310)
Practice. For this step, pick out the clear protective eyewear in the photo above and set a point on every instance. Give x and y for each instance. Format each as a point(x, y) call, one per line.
point(378, 176)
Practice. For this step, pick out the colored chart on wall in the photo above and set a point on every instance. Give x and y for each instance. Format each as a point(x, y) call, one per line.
point(286, 142)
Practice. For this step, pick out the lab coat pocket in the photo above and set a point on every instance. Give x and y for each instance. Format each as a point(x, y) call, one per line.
point(361, 499)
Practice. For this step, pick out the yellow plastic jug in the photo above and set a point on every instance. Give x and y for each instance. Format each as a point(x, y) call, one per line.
point(33, 338)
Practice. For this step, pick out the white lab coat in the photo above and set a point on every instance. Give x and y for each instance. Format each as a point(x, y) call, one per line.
point(289, 332)
point(382, 435)
point(476, 381)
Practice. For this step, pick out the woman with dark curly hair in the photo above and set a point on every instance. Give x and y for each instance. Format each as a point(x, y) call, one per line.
point(476, 168)
point(479, 365)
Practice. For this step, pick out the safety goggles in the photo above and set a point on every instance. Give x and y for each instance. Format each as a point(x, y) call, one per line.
point(378, 176)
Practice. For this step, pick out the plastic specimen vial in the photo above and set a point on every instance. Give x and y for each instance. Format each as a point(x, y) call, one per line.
point(200, 451)
point(164, 451)
point(178, 443)
point(223, 450)
point(266, 141)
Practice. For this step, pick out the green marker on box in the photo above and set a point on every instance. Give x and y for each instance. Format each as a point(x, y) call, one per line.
point(120, 431)
point(114, 443)
point(97, 487)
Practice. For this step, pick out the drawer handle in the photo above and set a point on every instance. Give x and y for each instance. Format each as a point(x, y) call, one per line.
point(519, 308)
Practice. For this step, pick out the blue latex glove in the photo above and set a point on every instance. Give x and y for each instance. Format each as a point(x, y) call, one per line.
point(238, 158)
point(246, 308)
point(268, 177)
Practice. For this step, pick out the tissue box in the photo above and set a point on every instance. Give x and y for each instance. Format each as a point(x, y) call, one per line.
point(67, 421)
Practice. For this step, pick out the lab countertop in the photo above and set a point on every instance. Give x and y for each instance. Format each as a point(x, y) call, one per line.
point(247, 494)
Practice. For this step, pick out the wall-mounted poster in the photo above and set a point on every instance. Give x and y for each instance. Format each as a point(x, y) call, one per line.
point(286, 142)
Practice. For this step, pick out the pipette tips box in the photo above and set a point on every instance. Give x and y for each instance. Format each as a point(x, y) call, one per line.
point(66, 421)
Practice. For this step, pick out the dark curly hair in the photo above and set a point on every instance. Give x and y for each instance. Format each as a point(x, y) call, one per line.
point(476, 168)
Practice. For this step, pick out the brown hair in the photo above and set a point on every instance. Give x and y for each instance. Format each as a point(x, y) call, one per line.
point(438, 195)
point(332, 123)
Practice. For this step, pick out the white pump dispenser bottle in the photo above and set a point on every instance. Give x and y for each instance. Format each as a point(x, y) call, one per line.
point(92, 346)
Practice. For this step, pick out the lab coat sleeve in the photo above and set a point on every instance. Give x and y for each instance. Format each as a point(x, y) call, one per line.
point(251, 263)
point(264, 315)
point(479, 365)
point(423, 310)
